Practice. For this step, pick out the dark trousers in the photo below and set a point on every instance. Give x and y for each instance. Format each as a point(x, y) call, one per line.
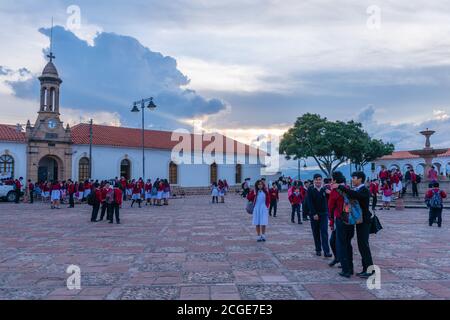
point(320, 233)
point(362, 234)
point(31, 196)
point(305, 211)
point(105, 210)
point(344, 249)
point(374, 201)
point(415, 190)
point(435, 213)
point(273, 206)
point(296, 210)
point(71, 201)
point(18, 196)
point(124, 194)
point(115, 211)
point(95, 209)
point(333, 245)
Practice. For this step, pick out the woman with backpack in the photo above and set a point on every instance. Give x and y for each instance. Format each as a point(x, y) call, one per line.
point(261, 202)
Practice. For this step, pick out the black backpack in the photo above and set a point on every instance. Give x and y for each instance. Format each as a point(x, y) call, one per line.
point(91, 199)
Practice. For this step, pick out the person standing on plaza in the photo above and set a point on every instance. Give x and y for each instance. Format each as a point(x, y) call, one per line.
point(435, 202)
point(148, 192)
point(18, 189)
point(274, 198)
point(95, 199)
point(136, 197)
point(305, 209)
point(318, 212)
point(31, 190)
point(123, 187)
point(261, 202)
point(245, 188)
point(433, 175)
point(215, 193)
point(296, 200)
point(116, 204)
point(166, 192)
point(221, 187)
point(340, 245)
point(415, 180)
point(361, 194)
point(384, 174)
point(55, 195)
point(160, 192)
point(387, 193)
point(374, 190)
point(105, 204)
point(71, 191)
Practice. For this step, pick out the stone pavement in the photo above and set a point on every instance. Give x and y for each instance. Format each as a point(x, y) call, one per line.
point(196, 250)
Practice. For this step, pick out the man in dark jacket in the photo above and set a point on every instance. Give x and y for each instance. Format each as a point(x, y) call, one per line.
point(318, 212)
point(362, 195)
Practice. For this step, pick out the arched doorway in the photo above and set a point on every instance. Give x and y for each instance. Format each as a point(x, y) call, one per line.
point(49, 168)
point(420, 169)
point(213, 173)
point(447, 170)
point(173, 173)
point(125, 169)
point(238, 179)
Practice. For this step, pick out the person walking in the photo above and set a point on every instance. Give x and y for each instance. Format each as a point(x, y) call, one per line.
point(361, 194)
point(374, 190)
point(94, 199)
point(296, 200)
point(318, 212)
point(414, 181)
point(31, 191)
point(387, 192)
point(71, 191)
point(435, 202)
point(261, 202)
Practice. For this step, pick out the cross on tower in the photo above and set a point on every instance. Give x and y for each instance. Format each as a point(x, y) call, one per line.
point(51, 56)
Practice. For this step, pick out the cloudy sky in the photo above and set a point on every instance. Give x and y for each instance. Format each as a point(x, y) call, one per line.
point(246, 68)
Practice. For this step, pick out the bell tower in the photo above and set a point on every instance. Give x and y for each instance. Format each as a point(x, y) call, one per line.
point(49, 142)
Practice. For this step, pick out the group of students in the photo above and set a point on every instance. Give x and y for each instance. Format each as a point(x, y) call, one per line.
point(152, 193)
point(323, 204)
point(219, 190)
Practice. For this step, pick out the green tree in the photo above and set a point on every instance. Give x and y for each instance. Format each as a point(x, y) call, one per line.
point(331, 144)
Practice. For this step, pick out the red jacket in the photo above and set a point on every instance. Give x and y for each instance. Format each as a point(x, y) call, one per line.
point(98, 195)
point(374, 188)
point(296, 199)
point(274, 194)
point(118, 196)
point(148, 187)
point(71, 188)
point(252, 197)
point(335, 206)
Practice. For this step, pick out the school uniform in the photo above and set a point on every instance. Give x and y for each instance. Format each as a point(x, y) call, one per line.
point(31, 192)
point(374, 189)
point(56, 192)
point(435, 214)
point(274, 198)
point(261, 201)
point(166, 194)
point(148, 191)
point(318, 206)
point(296, 200)
point(96, 206)
point(160, 191)
point(117, 193)
point(71, 191)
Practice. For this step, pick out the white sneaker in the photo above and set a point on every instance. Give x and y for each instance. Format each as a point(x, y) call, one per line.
point(263, 238)
point(259, 239)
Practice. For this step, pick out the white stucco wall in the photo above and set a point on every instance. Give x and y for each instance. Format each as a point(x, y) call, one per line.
point(19, 153)
point(106, 164)
point(444, 163)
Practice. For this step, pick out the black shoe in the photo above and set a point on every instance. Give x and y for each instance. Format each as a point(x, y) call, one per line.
point(292, 221)
point(300, 222)
point(328, 255)
point(318, 253)
point(118, 222)
point(333, 263)
point(111, 222)
point(270, 214)
point(364, 274)
point(274, 215)
point(345, 275)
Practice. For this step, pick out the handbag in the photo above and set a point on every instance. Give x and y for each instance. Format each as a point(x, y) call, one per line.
point(375, 225)
point(250, 207)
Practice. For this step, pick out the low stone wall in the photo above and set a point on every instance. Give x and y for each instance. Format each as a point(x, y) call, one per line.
point(198, 191)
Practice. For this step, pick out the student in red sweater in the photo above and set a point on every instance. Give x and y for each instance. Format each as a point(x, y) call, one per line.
point(296, 200)
point(374, 190)
point(116, 205)
point(274, 198)
point(435, 201)
point(97, 199)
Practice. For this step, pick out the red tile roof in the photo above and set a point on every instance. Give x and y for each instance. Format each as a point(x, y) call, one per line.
point(132, 138)
point(10, 133)
point(397, 155)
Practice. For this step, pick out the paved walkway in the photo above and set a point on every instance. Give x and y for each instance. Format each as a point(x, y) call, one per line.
point(195, 250)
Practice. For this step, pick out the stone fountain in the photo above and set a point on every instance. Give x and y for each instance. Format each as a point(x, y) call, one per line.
point(428, 153)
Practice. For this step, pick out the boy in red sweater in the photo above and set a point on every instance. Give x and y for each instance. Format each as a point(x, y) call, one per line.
point(274, 198)
point(296, 200)
point(117, 204)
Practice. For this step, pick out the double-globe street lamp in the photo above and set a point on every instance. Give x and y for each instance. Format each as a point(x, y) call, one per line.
point(299, 167)
point(151, 106)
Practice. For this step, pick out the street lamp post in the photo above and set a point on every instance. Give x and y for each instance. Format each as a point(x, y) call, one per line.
point(151, 106)
point(299, 167)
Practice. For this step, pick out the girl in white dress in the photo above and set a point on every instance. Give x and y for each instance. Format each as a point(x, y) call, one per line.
point(261, 201)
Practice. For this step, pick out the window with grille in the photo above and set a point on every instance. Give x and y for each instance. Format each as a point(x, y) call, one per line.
point(7, 166)
point(83, 169)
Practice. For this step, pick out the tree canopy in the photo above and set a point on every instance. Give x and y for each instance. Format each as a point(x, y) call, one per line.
point(331, 143)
